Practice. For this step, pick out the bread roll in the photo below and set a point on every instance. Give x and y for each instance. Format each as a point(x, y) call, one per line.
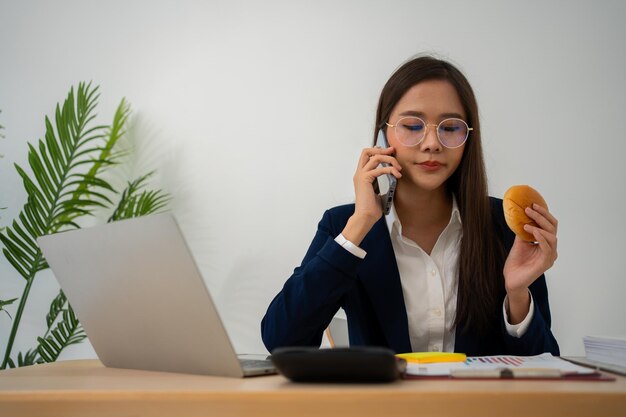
point(515, 201)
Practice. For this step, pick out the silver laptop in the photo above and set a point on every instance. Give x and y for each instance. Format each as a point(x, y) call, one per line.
point(141, 299)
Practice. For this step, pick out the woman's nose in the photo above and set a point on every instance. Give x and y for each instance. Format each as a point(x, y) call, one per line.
point(430, 143)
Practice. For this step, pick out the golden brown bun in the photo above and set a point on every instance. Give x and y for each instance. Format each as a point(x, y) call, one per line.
point(515, 201)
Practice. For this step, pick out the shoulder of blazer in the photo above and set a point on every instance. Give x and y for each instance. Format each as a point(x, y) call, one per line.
point(336, 218)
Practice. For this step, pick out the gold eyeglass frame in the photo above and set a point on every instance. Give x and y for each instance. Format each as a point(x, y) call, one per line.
point(469, 129)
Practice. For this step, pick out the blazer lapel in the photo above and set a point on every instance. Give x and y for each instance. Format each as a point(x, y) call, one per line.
point(381, 279)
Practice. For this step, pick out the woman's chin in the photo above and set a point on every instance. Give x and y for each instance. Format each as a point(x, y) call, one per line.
point(428, 184)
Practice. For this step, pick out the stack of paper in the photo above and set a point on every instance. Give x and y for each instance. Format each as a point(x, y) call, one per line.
point(540, 366)
point(608, 350)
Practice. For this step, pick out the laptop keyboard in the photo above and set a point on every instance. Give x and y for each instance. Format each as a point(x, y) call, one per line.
point(256, 363)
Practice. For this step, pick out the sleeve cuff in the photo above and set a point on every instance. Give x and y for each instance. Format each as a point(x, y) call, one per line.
point(518, 330)
point(351, 247)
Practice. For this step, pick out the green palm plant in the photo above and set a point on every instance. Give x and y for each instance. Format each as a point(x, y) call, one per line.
point(66, 184)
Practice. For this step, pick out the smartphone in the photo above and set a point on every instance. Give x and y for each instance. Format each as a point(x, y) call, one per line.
point(386, 184)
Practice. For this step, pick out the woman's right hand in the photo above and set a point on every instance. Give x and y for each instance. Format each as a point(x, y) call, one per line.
point(368, 208)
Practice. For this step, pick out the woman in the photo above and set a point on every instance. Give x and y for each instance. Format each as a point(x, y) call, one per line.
point(441, 271)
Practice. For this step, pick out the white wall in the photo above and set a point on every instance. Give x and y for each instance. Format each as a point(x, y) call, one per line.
point(255, 113)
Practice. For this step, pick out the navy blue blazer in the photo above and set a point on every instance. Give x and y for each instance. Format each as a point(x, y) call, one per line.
point(370, 292)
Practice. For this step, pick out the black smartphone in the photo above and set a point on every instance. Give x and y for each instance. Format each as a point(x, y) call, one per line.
point(386, 183)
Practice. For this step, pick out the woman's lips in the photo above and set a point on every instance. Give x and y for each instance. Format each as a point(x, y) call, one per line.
point(430, 165)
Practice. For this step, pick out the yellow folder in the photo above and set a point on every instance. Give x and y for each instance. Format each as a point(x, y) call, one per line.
point(432, 357)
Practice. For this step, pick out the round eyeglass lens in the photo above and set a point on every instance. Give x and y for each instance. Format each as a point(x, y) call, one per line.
point(410, 130)
point(452, 132)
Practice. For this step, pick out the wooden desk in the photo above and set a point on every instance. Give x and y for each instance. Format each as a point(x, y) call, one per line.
point(86, 388)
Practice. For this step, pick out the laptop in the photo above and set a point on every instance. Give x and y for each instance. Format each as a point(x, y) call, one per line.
point(141, 299)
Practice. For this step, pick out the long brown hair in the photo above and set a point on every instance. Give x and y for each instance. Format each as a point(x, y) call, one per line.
point(481, 257)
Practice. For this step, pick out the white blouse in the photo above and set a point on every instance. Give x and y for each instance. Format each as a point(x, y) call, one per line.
point(430, 283)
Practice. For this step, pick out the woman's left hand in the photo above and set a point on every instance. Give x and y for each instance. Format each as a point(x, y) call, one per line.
point(527, 261)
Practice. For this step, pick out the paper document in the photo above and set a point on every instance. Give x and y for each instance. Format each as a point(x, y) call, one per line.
point(544, 365)
point(605, 349)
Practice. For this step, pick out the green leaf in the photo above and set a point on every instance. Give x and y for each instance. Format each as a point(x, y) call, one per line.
point(15, 263)
point(31, 228)
point(32, 212)
point(24, 242)
point(57, 157)
point(89, 181)
point(64, 146)
point(6, 303)
point(30, 358)
point(45, 184)
point(114, 133)
point(47, 161)
point(15, 249)
point(32, 190)
point(135, 203)
point(68, 331)
point(56, 307)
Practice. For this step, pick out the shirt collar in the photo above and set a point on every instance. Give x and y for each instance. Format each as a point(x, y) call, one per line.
point(395, 227)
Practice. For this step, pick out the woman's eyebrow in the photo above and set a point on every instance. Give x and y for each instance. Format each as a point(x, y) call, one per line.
point(421, 114)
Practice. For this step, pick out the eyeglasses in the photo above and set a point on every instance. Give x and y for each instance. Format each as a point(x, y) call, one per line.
point(411, 131)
